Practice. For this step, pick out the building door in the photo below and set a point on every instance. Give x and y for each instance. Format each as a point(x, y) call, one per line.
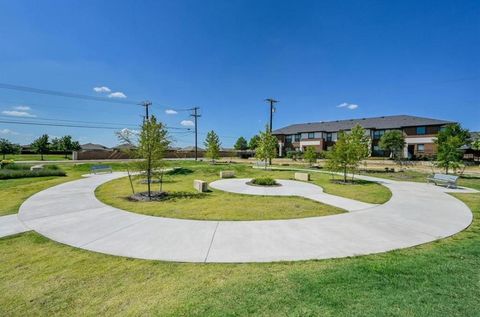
point(411, 151)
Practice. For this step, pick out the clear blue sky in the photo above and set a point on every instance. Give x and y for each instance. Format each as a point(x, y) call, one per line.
point(386, 57)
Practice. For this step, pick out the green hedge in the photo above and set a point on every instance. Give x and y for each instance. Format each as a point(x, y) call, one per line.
point(21, 173)
point(264, 181)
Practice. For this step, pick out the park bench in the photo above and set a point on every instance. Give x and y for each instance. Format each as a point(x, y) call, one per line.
point(261, 163)
point(100, 169)
point(302, 177)
point(449, 180)
point(227, 174)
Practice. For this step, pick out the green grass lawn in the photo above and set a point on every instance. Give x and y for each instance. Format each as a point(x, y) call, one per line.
point(415, 176)
point(219, 205)
point(41, 277)
point(37, 157)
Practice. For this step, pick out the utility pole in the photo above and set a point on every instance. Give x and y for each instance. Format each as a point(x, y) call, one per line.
point(272, 109)
point(196, 116)
point(146, 104)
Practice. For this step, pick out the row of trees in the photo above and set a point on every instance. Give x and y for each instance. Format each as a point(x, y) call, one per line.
point(42, 146)
point(241, 144)
point(65, 144)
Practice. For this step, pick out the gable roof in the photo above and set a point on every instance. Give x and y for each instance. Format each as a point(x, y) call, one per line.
point(385, 122)
point(93, 146)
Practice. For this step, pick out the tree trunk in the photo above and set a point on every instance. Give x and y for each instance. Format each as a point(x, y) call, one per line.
point(149, 177)
point(41, 156)
point(345, 174)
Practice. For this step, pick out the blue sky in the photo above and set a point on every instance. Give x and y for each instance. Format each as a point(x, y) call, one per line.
point(385, 57)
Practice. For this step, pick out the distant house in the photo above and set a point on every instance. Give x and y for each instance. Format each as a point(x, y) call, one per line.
point(94, 147)
point(191, 149)
point(419, 134)
point(124, 147)
point(471, 154)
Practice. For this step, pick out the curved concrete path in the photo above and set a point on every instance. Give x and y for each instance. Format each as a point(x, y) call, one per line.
point(417, 213)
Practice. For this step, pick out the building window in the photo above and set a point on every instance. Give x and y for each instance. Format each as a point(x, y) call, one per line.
point(421, 130)
point(420, 148)
point(297, 137)
point(329, 137)
point(288, 139)
point(377, 134)
point(311, 135)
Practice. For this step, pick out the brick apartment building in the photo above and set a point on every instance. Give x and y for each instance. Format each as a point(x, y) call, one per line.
point(419, 134)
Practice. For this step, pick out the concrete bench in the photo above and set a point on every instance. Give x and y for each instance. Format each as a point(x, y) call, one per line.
point(227, 174)
point(100, 169)
point(449, 180)
point(302, 177)
point(200, 186)
point(261, 163)
point(36, 167)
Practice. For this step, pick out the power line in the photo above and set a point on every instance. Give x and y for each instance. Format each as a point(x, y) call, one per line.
point(64, 94)
point(74, 121)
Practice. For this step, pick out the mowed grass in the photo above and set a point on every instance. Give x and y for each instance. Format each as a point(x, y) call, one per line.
point(415, 176)
point(13, 192)
point(220, 205)
point(37, 157)
point(41, 277)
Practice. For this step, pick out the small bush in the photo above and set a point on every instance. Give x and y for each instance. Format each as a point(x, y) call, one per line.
point(180, 171)
point(22, 173)
point(264, 181)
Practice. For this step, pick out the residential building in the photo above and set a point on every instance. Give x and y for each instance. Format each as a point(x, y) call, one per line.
point(419, 134)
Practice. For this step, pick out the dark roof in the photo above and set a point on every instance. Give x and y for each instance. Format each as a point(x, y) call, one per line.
point(386, 122)
point(474, 136)
point(93, 146)
point(125, 146)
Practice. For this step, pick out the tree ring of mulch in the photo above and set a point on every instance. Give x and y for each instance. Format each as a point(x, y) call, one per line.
point(143, 196)
point(257, 185)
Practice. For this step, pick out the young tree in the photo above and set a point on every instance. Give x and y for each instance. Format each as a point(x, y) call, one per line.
point(253, 143)
point(310, 155)
point(349, 150)
point(41, 145)
point(393, 142)
point(241, 144)
point(152, 144)
point(449, 140)
point(212, 146)
point(266, 147)
point(7, 147)
point(66, 145)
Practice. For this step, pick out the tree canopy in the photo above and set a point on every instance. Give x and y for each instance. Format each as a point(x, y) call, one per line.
point(449, 141)
point(310, 155)
point(241, 144)
point(393, 142)
point(212, 146)
point(253, 143)
point(41, 145)
point(348, 151)
point(7, 147)
point(267, 146)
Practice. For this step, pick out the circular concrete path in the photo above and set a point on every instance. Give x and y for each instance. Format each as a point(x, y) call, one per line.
point(417, 213)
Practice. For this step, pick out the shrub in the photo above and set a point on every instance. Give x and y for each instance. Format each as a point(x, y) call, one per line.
point(5, 163)
point(264, 181)
point(22, 173)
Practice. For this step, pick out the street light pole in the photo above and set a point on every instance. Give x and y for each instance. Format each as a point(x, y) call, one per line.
point(272, 102)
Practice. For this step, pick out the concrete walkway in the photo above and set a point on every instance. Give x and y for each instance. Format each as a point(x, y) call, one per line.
point(289, 188)
point(10, 225)
point(417, 213)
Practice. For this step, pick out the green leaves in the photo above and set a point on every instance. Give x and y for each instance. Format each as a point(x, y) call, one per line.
point(349, 150)
point(267, 146)
point(212, 145)
point(393, 142)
